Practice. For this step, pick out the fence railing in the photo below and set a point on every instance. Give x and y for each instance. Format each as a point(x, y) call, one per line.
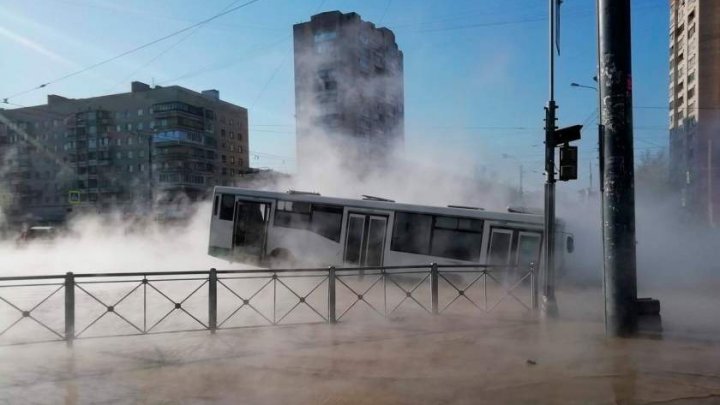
point(142, 303)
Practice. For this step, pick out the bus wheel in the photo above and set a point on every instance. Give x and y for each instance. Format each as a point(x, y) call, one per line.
point(280, 258)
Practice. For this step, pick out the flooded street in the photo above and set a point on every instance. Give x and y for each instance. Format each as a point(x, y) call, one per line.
point(412, 360)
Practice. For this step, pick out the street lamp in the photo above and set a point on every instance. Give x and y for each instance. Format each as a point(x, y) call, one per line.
point(583, 86)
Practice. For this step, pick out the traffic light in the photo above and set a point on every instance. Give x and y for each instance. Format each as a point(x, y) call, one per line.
point(568, 154)
point(568, 162)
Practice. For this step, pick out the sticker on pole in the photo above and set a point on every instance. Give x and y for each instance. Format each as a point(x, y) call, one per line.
point(74, 197)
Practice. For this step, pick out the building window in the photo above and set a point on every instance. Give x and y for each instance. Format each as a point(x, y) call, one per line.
point(324, 36)
point(130, 154)
point(140, 112)
point(129, 126)
point(140, 126)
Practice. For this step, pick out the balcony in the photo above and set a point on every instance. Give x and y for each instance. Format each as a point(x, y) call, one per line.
point(178, 137)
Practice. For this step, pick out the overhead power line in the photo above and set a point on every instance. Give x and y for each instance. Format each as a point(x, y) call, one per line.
point(148, 44)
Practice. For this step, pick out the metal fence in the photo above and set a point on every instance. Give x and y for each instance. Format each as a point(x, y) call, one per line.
point(212, 299)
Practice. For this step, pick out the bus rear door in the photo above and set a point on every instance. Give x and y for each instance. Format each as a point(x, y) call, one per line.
point(365, 239)
point(250, 229)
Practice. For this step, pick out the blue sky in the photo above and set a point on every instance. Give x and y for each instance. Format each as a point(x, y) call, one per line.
point(475, 70)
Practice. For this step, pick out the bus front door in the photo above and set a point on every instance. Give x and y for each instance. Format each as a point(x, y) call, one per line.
point(365, 240)
point(250, 229)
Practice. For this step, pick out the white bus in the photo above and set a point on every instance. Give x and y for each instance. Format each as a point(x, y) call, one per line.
point(275, 229)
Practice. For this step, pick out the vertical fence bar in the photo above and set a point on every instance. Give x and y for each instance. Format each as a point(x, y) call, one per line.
point(332, 312)
point(434, 287)
point(69, 308)
point(145, 282)
point(485, 276)
point(212, 300)
point(384, 276)
point(533, 287)
point(274, 278)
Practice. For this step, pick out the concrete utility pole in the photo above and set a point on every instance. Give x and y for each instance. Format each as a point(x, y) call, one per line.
point(618, 171)
point(549, 303)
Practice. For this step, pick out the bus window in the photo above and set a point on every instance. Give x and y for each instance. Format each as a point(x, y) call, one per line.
point(215, 205)
point(227, 207)
point(411, 233)
point(457, 238)
point(528, 250)
point(500, 244)
point(290, 214)
point(326, 221)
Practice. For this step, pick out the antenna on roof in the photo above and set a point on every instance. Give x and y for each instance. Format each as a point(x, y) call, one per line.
point(525, 210)
point(298, 192)
point(373, 198)
point(466, 207)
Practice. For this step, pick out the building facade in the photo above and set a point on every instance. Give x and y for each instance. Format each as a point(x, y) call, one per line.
point(348, 86)
point(128, 151)
point(695, 106)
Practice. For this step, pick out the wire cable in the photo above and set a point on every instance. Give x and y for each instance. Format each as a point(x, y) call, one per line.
point(133, 50)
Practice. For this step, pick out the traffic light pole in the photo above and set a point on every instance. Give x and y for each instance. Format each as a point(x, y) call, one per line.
point(620, 278)
point(549, 302)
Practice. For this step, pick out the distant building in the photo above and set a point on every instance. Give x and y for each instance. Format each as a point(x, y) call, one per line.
point(120, 151)
point(348, 86)
point(695, 106)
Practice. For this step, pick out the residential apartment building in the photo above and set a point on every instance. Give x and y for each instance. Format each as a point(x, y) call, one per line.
point(695, 106)
point(121, 151)
point(348, 86)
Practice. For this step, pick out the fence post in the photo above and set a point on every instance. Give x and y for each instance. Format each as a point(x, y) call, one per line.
point(212, 300)
point(434, 287)
point(69, 308)
point(533, 287)
point(331, 295)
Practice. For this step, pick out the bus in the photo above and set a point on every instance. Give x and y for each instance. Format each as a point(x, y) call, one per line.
point(276, 229)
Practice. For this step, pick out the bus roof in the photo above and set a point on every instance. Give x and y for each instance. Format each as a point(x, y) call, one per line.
point(384, 205)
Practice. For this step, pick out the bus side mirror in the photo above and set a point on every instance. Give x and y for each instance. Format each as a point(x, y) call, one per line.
point(570, 244)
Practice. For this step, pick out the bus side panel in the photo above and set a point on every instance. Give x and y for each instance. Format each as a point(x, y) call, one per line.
point(308, 247)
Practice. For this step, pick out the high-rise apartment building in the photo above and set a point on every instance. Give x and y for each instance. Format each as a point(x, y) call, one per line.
point(121, 151)
point(348, 86)
point(695, 105)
